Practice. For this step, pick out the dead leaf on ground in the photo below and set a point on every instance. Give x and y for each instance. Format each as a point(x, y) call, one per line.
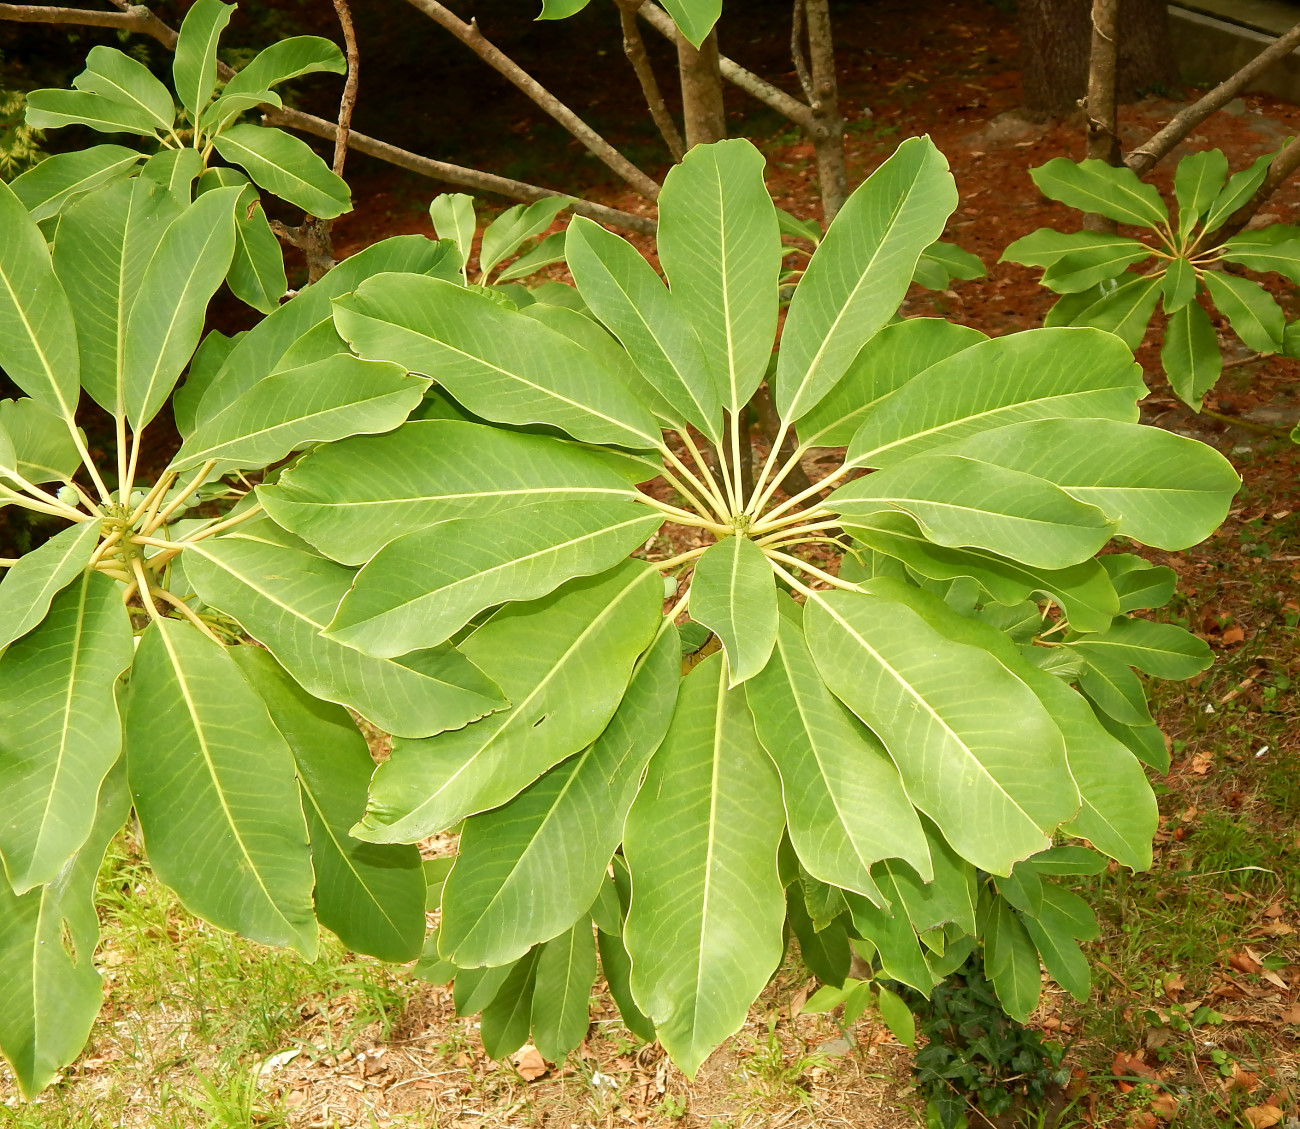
point(529, 1062)
point(1242, 1079)
point(1244, 962)
point(1201, 764)
point(1132, 1066)
point(1291, 1015)
point(1262, 1116)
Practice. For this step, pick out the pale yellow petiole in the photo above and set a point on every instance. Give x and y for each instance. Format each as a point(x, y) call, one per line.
point(220, 527)
point(186, 611)
point(797, 531)
point(706, 474)
point(142, 586)
point(812, 491)
point(812, 570)
point(681, 558)
point(685, 517)
point(29, 503)
point(189, 488)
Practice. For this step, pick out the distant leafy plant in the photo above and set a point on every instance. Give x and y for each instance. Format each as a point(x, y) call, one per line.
point(119, 94)
point(1095, 271)
point(453, 219)
point(896, 732)
point(20, 144)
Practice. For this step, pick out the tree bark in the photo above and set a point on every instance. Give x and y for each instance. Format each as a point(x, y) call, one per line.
point(702, 110)
point(1055, 43)
point(822, 91)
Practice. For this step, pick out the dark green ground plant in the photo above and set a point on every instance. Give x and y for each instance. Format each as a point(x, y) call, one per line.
point(1115, 282)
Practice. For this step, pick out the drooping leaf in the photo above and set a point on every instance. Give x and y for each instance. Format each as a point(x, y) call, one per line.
point(961, 501)
point(943, 711)
point(420, 589)
point(53, 991)
point(1162, 650)
point(1011, 960)
point(616, 966)
point(845, 802)
point(166, 318)
point(733, 594)
point(38, 340)
point(694, 18)
point(1163, 489)
point(1178, 286)
point(704, 928)
point(1060, 953)
point(285, 167)
point(501, 365)
point(372, 896)
point(896, 943)
point(507, 1018)
point(59, 179)
point(1139, 583)
point(351, 498)
point(115, 75)
point(28, 586)
point(720, 247)
point(54, 109)
point(1115, 689)
point(223, 111)
point(1040, 374)
point(289, 58)
point(563, 662)
point(861, 270)
point(284, 597)
point(948, 898)
point(1251, 310)
point(941, 262)
point(558, 834)
point(1095, 186)
point(566, 972)
point(235, 852)
point(257, 269)
point(824, 951)
point(888, 361)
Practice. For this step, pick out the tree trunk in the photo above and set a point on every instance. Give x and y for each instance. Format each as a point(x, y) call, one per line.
point(702, 112)
point(823, 99)
point(1055, 40)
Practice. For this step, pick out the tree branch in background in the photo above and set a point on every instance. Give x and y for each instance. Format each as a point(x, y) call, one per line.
point(796, 52)
point(1099, 103)
point(634, 49)
point(704, 117)
point(141, 20)
point(469, 34)
point(1284, 164)
point(827, 134)
point(1157, 147)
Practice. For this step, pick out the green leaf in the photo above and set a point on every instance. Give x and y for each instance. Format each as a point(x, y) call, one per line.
point(1178, 285)
point(859, 273)
point(1095, 186)
point(940, 708)
point(53, 991)
point(623, 290)
point(720, 246)
point(1161, 650)
point(824, 952)
point(285, 167)
point(1282, 256)
point(949, 898)
point(1252, 312)
point(235, 851)
point(318, 403)
point(498, 363)
point(268, 344)
point(41, 441)
point(38, 340)
point(1068, 860)
point(475, 988)
point(1011, 960)
point(452, 216)
point(371, 896)
point(1023, 889)
point(1139, 583)
point(107, 240)
point(257, 269)
point(1115, 689)
point(563, 662)
point(123, 79)
point(1084, 590)
point(888, 361)
point(1074, 915)
point(792, 226)
point(166, 318)
point(694, 18)
point(1163, 489)
point(203, 368)
point(566, 973)
point(351, 498)
point(616, 966)
point(284, 597)
point(194, 68)
point(1125, 311)
point(845, 802)
point(46, 189)
point(941, 262)
point(897, 1016)
point(704, 928)
point(54, 109)
point(561, 9)
point(59, 727)
point(960, 501)
point(559, 833)
point(298, 55)
point(503, 236)
point(1039, 374)
point(1062, 957)
point(221, 113)
point(1047, 246)
point(894, 938)
point(28, 586)
point(420, 589)
point(176, 170)
point(1144, 741)
point(1241, 187)
point(507, 1018)
point(1081, 270)
point(1197, 182)
point(733, 593)
point(549, 250)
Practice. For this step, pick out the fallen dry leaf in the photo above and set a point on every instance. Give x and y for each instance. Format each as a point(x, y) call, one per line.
point(1275, 910)
point(1242, 1079)
point(1232, 635)
point(1274, 929)
point(1126, 1065)
point(1291, 1015)
point(529, 1062)
point(1262, 1116)
point(1274, 979)
point(1174, 984)
point(1201, 765)
point(1164, 1106)
point(1244, 962)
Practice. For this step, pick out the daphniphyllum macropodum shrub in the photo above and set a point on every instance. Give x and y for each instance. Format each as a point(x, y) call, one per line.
point(902, 699)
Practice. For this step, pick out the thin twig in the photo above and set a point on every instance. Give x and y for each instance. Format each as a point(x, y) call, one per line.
point(470, 35)
point(796, 52)
point(134, 19)
point(349, 99)
point(634, 49)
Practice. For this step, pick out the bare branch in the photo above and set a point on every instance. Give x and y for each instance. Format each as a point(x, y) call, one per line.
point(773, 96)
point(827, 131)
point(349, 100)
point(634, 49)
point(796, 52)
point(1156, 148)
point(1099, 105)
point(1283, 165)
point(469, 34)
point(454, 174)
point(132, 18)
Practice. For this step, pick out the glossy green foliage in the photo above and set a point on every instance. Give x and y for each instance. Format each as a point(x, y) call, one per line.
point(1095, 274)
